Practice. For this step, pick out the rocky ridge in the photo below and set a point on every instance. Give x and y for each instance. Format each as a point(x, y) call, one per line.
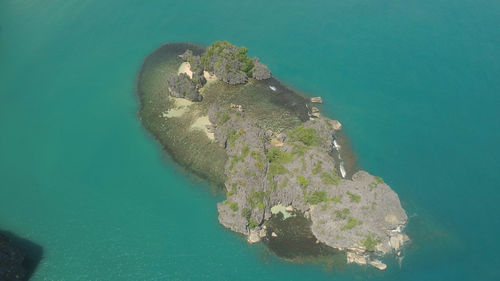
point(295, 168)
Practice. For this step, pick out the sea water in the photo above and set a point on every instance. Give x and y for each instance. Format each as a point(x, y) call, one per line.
point(415, 84)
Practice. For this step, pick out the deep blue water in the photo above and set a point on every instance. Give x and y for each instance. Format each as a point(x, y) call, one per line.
point(416, 85)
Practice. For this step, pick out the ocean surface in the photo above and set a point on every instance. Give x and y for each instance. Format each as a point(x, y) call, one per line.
point(416, 85)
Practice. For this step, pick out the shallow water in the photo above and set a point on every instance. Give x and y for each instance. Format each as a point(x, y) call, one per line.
point(415, 84)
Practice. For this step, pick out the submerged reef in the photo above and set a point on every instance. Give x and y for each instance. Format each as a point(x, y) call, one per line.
point(289, 179)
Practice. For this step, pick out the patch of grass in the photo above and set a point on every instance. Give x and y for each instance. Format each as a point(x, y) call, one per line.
point(233, 206)
point(284, 183)
point(275, 155)
point(246, 213)
point(277, 159)
point(316, 197)
point(243, 154)
point(354, 197)
point(252, 224)
point(330, 178)
point(232, 191)
point(341, 214)
point(317, 167)
point(336, 199)
point(351, 223)
point(255, 198)
point(225, 117)
point(305, 135)
point(379, 179)
point(256, 155)
point(233, 136)
point(370, 242)
point(303, 181)
point(299, 149)
point(373, 205)
point(303, 164)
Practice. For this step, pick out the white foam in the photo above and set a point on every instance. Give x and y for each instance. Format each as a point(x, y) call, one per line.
point(337, 146)
point(342, 170)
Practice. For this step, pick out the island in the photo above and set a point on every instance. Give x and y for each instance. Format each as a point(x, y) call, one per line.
point(289, 177)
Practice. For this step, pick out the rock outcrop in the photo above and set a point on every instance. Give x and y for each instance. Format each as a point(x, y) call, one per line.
point(181, 86)
point(260, 70)
point(296, 170)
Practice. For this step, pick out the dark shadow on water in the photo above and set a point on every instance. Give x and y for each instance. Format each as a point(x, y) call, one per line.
point(296, 243)
point(33, 253)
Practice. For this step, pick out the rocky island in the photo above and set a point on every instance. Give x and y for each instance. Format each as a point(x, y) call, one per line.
point(287, 176)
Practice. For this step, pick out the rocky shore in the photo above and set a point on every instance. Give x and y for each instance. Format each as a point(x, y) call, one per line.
point(273, 152)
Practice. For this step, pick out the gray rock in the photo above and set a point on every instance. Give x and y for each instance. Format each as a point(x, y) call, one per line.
point(260, 70)
point(181, 86)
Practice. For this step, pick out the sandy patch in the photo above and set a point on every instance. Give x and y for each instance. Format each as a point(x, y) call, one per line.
point(185, 68)
point(180, 107)
point(201, 124)
point(281, 209)
point(276, 142)
point(209, 77)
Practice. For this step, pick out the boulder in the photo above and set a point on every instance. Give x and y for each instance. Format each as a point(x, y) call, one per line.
point(260, 70)
point(253, 236)
point(352, 257)
point(317, 100)
point(378, 264)
point(181, 86)
point(337, 126)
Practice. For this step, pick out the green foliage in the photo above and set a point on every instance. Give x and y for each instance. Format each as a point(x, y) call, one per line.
point(354, 197)
point(255, 198)
point(235, 54)
point(303, 181)
point(317, 168)
point(378, 180)
point(246, 213)
point(351, 223)
point(275, 155)
point(252, 224)
point(233, 206)
point(261, 206)
point(225, 117)
point(232, 191)
point(284, 183)
point(330, 178)
point(305, 135)
point(243, 154)
point(316, 197)
point(370, 242)
point(276, 159)
point(233, 136)
point(299, 148)
point(341, 214)
point(256, 155)
point(336, 199)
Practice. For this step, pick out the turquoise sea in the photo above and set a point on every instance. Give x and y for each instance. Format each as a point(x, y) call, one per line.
point(416, 85)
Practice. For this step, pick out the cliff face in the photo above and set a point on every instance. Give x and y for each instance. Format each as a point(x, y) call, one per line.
point(297, 170)
point(281, 157)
